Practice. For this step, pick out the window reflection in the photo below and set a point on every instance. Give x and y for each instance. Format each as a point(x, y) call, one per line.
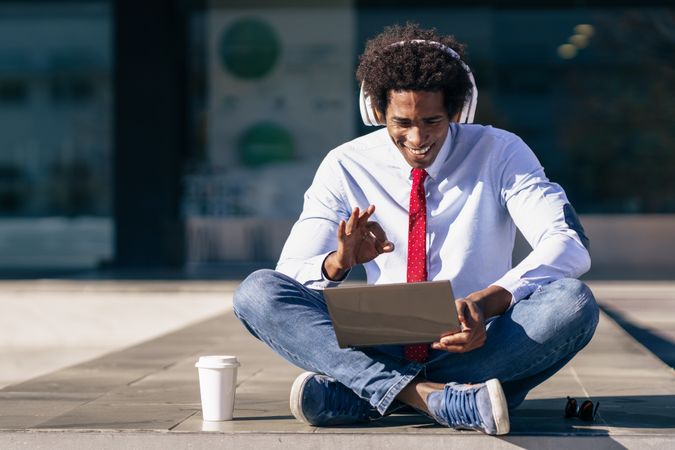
point(55, 134)
point(591, 90)
point(616, 130)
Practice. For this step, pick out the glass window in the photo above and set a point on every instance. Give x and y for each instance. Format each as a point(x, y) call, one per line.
point(278, 95)
point(12, 91)
point(55, 134)
point(591, 90)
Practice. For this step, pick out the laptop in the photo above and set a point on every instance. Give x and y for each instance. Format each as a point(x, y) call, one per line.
point(399, 313)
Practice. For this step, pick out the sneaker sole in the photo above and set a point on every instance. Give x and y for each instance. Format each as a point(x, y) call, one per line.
point(500, 411)
point(296, 395)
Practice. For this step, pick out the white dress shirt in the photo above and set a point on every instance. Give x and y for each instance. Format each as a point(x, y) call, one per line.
point(484, 183)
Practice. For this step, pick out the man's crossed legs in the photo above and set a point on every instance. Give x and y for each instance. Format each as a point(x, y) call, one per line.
point(526, 345)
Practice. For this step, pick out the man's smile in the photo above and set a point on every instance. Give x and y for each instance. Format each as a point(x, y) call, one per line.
point(418, 151)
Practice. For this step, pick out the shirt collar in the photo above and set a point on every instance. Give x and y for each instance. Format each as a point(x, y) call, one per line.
point(434, 169)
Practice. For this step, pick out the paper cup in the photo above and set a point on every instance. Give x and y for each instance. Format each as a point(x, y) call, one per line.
point(217, 384)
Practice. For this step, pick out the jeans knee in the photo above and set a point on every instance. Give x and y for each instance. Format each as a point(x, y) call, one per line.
point(583, 297)
point(252, 291)
point(251, 300)
point(579, 304)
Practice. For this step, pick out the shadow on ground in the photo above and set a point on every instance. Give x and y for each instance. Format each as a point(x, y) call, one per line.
point(546, 417)
point(663, 348)
point(628, 412)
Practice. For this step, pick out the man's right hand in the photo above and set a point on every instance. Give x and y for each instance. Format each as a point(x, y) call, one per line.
point(359, 241)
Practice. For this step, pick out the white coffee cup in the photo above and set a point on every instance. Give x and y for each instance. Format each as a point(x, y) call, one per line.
point(217, 384)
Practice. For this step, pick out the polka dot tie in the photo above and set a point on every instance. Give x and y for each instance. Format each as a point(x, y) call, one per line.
point(417, 250)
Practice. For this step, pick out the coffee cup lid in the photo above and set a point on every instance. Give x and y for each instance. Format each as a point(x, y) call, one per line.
point(217, 362)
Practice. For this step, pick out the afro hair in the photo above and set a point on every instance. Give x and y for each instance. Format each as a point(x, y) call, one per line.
point(413, 66)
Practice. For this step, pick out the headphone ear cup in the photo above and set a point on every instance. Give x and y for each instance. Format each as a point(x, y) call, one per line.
point(368, 115)
point(469, 108)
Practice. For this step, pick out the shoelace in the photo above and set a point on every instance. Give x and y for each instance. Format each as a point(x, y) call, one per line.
point(344, 403)
point(461, 408)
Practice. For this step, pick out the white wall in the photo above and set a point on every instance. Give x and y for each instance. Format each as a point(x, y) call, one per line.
point(626, 246)
point(641, 246)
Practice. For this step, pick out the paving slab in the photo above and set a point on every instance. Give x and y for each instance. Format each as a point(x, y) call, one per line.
point(147, 396)
point(46, 325)
point(646, 310)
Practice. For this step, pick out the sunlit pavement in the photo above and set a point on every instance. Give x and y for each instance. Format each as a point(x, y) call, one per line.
point(46, 325)
point(147, 395)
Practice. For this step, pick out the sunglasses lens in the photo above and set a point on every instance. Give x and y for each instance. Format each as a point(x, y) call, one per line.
point(570, 408)
point(586, 411)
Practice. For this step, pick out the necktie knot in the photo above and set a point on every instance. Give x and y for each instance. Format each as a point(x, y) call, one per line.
point(418, 176)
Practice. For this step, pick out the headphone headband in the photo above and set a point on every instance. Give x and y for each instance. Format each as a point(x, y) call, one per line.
point(468, 110)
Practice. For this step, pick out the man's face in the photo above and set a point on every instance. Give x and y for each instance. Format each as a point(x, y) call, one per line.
point(417, 122)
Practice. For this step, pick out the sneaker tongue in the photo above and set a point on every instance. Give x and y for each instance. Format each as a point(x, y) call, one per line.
point(455, 406)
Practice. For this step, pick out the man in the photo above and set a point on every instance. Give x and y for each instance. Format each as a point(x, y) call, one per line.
point(442, 201)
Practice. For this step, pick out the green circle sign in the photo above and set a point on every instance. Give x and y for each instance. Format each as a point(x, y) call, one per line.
point(264, 143)
point(249, 48)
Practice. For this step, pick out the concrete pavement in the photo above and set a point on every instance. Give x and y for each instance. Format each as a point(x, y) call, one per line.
point(47, 325)
point(147, 396)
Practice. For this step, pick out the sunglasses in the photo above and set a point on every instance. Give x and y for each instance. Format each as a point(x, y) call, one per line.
point(584, 412)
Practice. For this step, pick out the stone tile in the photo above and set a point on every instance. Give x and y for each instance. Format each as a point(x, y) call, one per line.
point(154, 386)
point(556, 389)
point(31, 411)
point(121, 416)
point(247, 424)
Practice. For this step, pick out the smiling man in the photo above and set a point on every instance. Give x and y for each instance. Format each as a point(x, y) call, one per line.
point(429, 197)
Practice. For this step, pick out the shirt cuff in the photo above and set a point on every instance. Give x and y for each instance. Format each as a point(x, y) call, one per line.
point(518, 287)
point(317, 278)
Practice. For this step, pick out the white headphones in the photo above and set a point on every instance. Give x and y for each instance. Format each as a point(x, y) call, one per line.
point(468, 110)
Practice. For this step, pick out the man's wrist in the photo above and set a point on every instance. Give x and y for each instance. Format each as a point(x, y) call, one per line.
point(332, 270)
point(493, 300)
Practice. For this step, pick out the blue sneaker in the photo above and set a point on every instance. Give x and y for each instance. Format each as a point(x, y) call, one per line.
point(320, 400)
point(480, 407)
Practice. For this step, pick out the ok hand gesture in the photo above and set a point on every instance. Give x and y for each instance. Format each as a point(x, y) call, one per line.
point(359, 241)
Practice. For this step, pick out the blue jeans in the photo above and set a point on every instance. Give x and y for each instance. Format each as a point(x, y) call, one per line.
point(526, 345)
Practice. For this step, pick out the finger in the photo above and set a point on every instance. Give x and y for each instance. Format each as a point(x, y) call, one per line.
point(461, 338)
point(341, 230)
point(353, 220)
point(465, 344)
point(471, 341)
point(474, 312)
point(382, 247)
point(379, 234)
point(450, 348)
point(367, 213)
point(450, 333)
point(388, 247)
point(461, 313)
point(376, 243)
point(377, 230)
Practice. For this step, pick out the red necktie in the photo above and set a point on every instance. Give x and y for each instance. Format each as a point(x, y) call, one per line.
point(417, 250)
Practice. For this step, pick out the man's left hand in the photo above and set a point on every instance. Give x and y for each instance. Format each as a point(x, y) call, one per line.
point(471, 312)
point(472, 335)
